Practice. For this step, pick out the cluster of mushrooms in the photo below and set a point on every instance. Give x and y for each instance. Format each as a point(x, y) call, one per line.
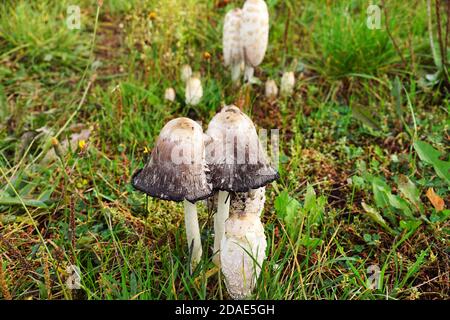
point(226, 165)
point(229, 164)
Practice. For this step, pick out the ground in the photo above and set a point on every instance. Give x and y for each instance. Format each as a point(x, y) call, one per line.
point(360, 209)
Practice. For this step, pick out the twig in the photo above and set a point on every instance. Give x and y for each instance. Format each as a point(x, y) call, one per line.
point(430, 32)
point(286, 33)
point(16, 253)
point(440, 39)
point(447, 29)
point(72, 227)
point(48, 281)
point(386, 21)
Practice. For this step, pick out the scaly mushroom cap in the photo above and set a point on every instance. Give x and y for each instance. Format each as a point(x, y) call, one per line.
point(233, 52)
point(255, 31)
point(235, 156)
point(243, 250)
point(177, 168)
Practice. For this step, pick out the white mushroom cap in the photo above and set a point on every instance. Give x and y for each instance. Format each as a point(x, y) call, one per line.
point(271, 89)
point(194, 91)
point(177, 167)
point(287, 83)
point(242, 254)
point(169, 94)
point(186, 72)
point(255, 31)
point(235, 156)
point(233, 53)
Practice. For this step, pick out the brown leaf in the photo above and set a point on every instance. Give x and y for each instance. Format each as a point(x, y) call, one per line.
point(436, 201)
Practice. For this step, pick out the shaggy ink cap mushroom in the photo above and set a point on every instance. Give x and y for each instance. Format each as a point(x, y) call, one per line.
point(254, 31)
point(233, 51)
point(235, 156)
point(177, 168)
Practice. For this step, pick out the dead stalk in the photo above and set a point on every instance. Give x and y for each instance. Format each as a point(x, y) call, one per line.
point(3, 284)
point(48, 283)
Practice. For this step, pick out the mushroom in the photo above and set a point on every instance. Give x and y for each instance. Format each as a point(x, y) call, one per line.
point(237, 162)
point(287, 83)
point(177, 171)
point(271, 89)
point(186, 72)
point(233, 52)
point(169, 94)
point(254, 34)
point(243, 247)
point(194, 90)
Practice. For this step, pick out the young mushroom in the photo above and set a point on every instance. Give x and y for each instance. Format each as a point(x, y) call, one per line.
point(254, 34)
point(169, 94)
point(186, 72)
point(243, 247)
point(233, 52)
point(177, 171)
point(271, 89)
point(237, 163)
point(287, 83)
point(194, 90)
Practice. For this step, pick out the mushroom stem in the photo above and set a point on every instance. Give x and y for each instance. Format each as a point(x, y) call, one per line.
point(249, 72)
point(243, 251)
point(236, 72)
point(192, 233)
point(223, 211)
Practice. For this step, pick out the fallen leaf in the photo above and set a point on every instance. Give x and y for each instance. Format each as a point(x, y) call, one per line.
point(436, 201)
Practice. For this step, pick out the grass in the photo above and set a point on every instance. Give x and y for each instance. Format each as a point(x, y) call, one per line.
point(350, 134)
